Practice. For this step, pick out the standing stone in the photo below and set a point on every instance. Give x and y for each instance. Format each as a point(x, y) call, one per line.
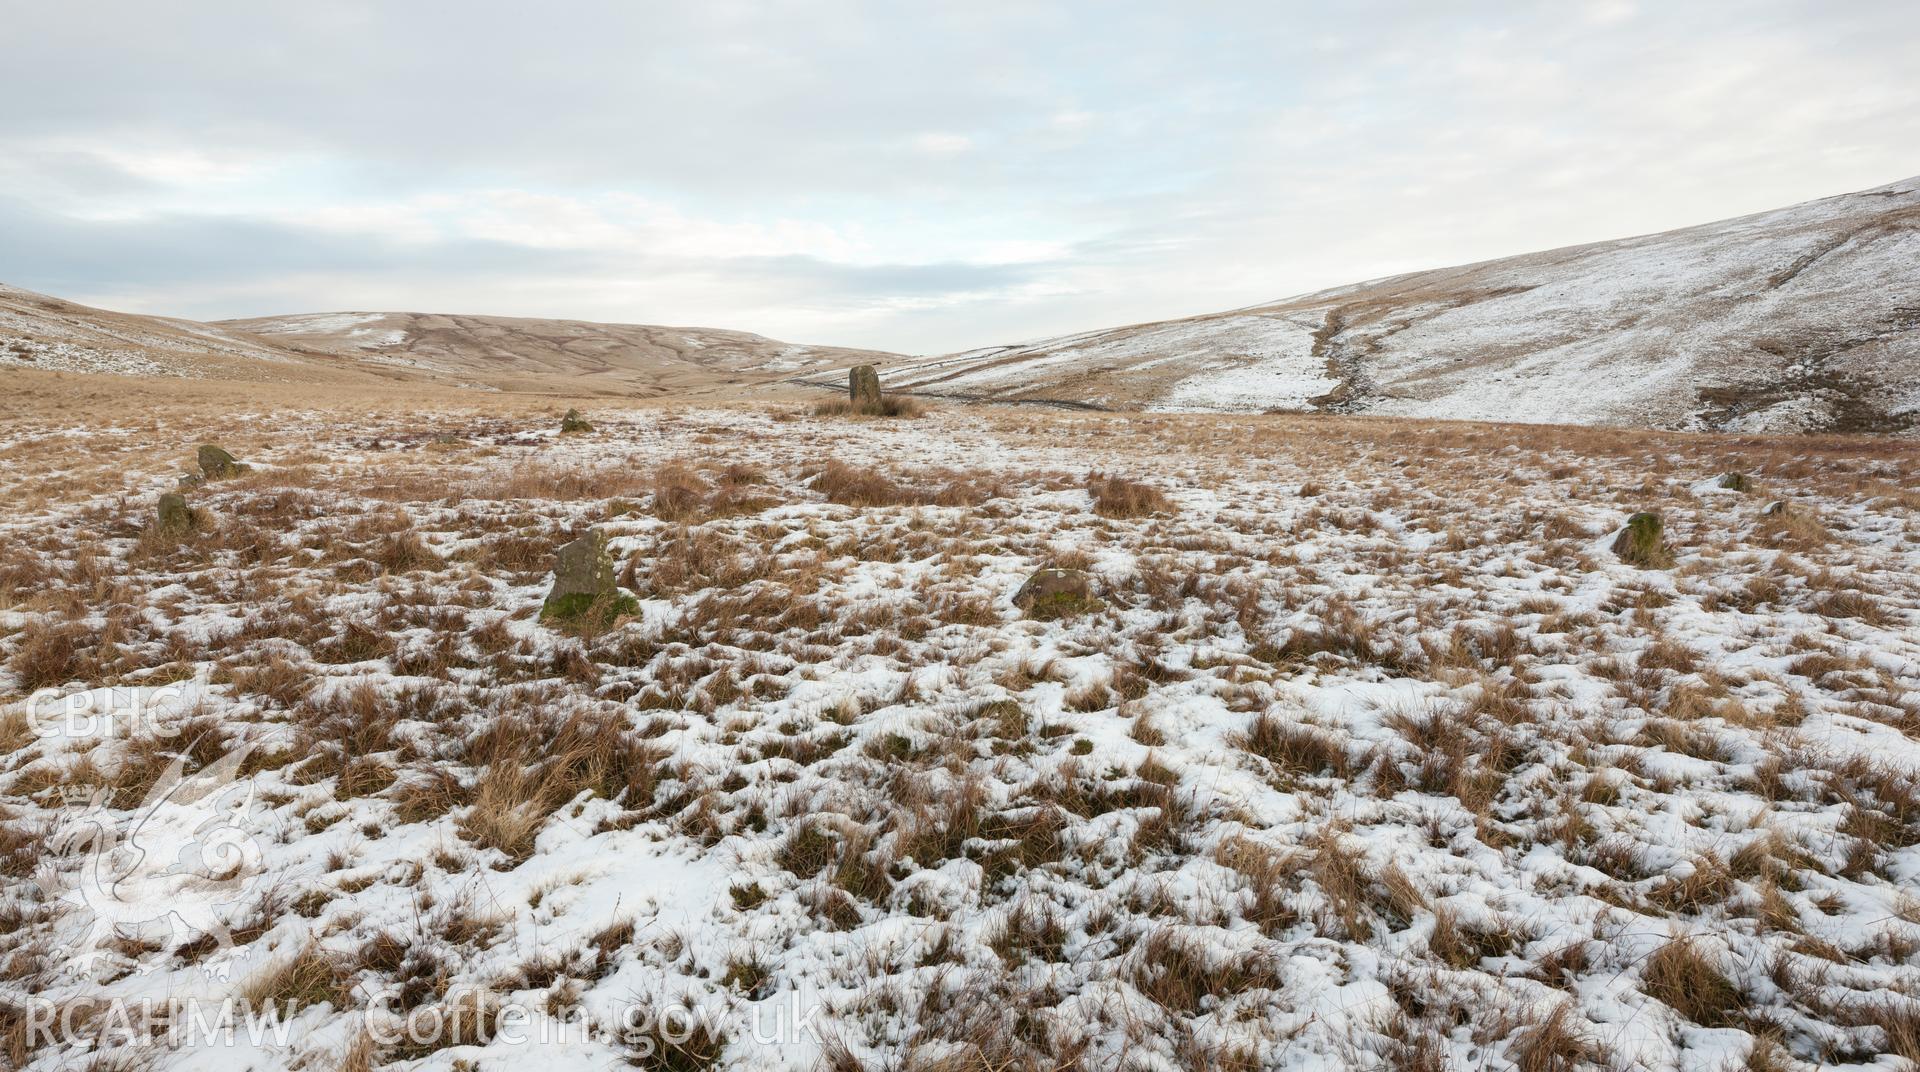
point(863, 387)
point(583, 580)
point(1643, 542)
point(217, 464)
point(173, 514)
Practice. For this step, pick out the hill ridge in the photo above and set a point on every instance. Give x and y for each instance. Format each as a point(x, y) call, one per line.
point(1794, 319)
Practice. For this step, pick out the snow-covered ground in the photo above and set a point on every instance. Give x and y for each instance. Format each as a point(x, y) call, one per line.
point(67, 357)
point(1372, 753)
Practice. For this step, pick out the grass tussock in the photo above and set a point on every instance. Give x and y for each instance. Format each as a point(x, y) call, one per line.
point(1180, 974)
point(1118, 497)
point(531, 765)
point(1560, 1043)
point(1688, 980)
point(890, 406)
point(50, 653)
point(673, 1038)
point(1296, 748)
point(309, 977)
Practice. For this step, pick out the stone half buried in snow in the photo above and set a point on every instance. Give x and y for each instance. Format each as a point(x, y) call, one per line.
point(1054, 592)
point(584, 590)
point(1643, 542)
point(217, 464)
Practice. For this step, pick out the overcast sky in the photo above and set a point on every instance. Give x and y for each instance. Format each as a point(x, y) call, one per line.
point(906, 176)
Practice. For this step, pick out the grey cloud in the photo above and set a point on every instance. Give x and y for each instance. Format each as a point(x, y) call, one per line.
point(60, 252)
point(199, 263)
point(1182, 159)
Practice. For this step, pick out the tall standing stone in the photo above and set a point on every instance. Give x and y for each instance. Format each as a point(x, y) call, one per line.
point(863, 387)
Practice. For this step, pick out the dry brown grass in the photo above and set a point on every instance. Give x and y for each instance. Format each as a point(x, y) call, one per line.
point(1340, 871)
point(1691, 983)
point(1557, 1044)
point(360, 1055)
point(468, 1017)
point(1852, 604)
point(308, 977)
point(1118, 497)
point(1296, 748)
point(1796, 526)
point(533, 764)
point(850, 485)
point(890, 405)
point(1180, 974)
point(1898, 1018)
point(1268, 875)
point(672, 1039)
point(52, 653)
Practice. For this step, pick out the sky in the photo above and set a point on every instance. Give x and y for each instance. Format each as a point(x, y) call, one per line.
point(921, 177)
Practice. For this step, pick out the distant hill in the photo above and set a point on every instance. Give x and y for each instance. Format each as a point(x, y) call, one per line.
point(42, 332)
point(1800, 319)
point(486, 352)
point(512, 353)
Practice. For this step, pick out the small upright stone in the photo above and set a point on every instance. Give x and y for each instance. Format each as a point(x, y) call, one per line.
point(582, 568)
point(583, 582)
point(863, 387)
point(217, 464)
point(1643, 542)
point(574, 422)
point(173, 515)
point(1056, 593)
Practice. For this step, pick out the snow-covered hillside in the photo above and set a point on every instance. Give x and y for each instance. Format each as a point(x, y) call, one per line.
point(1806, 318)
point(42, 332)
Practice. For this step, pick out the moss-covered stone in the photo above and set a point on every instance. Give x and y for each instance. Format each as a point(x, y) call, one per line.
point(1643, 542)
point(1061, 605)
point(581, 608)
point(1054, 593)
point(583, 584)
point(217, 464)
point(173, 516)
